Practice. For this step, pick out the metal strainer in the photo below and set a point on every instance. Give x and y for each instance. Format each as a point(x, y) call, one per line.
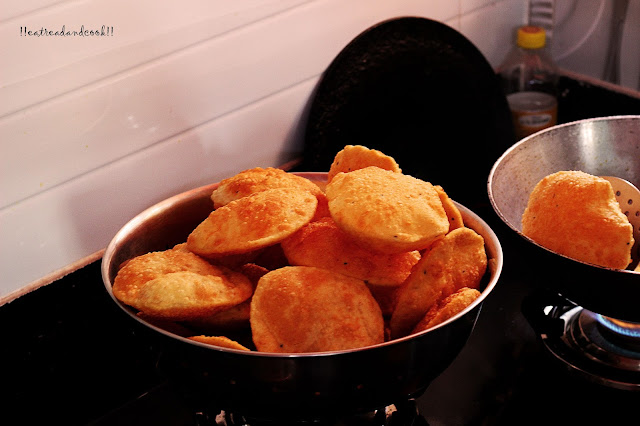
point(628, 196)
point(608, 146)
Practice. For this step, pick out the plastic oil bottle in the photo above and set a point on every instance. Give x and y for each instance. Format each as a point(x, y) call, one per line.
point(529, 80)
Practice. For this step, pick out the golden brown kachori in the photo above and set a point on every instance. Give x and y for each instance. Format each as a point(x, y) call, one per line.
point(253, 222)
point(221, 341)
point(307, 309)
point(386, 211)
point(355, 157)
point(185, 295)
point(252, 271)
point(300, 266)
point(137, 271)
point(386, 296)
point(577, 215)
point(455, 261)
point(324, 245)
point(453, 214)
point(447, 308)
point(230, 319)
point(256, 180)
point(272, 257)
point(232, 261)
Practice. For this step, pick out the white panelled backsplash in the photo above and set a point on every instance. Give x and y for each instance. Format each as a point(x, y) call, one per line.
point(96, 128)
point(583, 37)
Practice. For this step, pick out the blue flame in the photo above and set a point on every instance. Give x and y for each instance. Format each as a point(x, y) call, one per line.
point(625, 328)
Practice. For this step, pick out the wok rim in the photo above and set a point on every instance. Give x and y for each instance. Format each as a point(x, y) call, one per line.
point(517, 146)
point(496, 266)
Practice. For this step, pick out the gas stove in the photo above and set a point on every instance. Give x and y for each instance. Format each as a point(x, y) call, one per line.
point(70, 356)
point(405, 413)
point(598, 348)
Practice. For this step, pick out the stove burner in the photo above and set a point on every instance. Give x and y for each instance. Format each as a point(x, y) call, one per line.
point(628, 333)
point(405, 414)
point(602, 349)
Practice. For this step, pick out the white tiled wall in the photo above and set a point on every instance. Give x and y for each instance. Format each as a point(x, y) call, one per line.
point(95, 128)
point(582, 39)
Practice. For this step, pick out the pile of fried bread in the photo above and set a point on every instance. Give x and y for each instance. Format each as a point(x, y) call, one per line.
point(283, 264)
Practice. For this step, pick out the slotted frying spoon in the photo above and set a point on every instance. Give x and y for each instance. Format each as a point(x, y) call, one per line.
point(628, 197)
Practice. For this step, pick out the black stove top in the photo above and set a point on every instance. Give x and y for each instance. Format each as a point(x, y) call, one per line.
point(70, 356)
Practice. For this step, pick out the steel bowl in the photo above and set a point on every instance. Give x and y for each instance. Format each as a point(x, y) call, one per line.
point(295, 386)
point(607, 146)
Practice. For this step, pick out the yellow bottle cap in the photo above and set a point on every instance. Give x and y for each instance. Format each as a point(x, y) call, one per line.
point(530, 37)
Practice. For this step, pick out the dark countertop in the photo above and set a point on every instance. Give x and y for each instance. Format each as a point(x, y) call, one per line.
point(71, 356)
point(70, 353)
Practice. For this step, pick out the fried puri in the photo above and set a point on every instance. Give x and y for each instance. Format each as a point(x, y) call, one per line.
point(447, 308)
point(453, 214)
point(253, 272)
point(271, 258)
point(232, 261)
point(324, 245)
point(576, 214)
point(186, 295)
point(231, 319)
point(458, 260)
point(386, 211)
point(256, 180)
point(312, 267)
point(221, 341)
point(137, 271)
point(355, 157)
point(306, 309)
point(253, 222)
point(386, 296)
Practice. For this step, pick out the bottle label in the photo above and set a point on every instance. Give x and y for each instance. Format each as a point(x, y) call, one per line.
point(532, 112)
point(535, 120)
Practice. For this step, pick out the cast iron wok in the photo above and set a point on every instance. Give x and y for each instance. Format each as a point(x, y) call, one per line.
point(608, 146)
point(298, 386)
